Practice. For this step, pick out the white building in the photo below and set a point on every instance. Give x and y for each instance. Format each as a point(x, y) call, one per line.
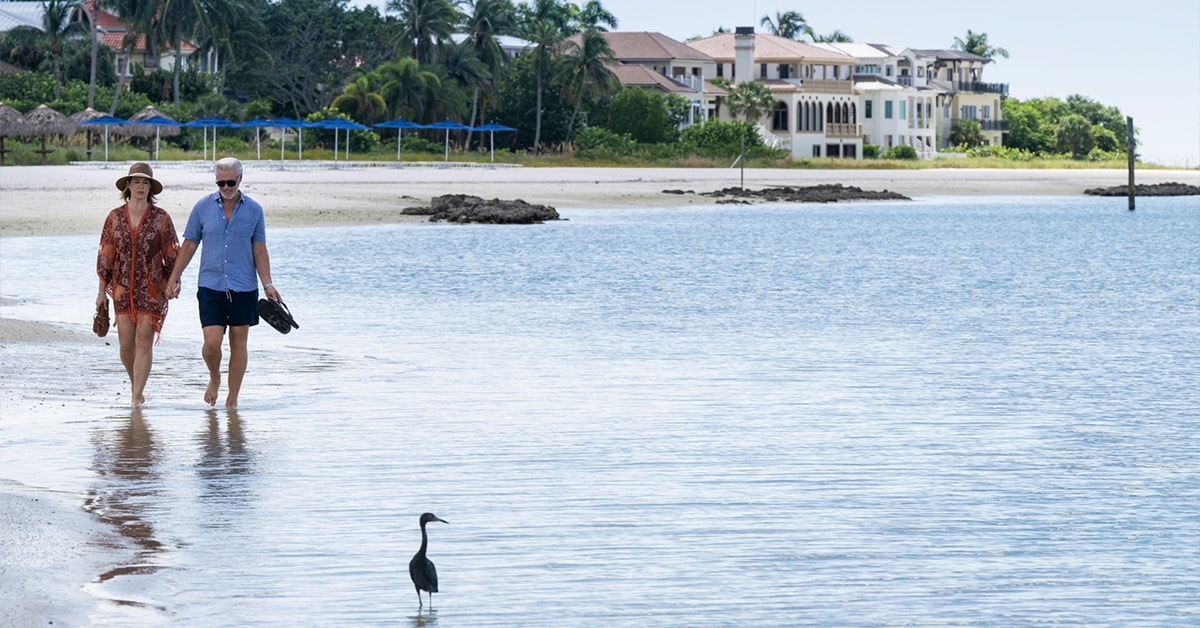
point(897, 107)
point(816, 112)
point(958, 78)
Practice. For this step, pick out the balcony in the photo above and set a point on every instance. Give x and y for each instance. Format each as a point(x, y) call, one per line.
point(986, 125)
point(826, 86)
point(975, 87)
point(834, 129)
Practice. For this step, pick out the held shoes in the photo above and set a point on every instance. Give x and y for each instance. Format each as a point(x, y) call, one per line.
point(277, 315)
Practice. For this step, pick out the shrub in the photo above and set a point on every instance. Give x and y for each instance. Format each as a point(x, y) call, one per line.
point(601, 143)
point(870, 151)
point(903, 151)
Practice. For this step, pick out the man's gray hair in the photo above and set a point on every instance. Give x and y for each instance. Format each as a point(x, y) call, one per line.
point(230, 163)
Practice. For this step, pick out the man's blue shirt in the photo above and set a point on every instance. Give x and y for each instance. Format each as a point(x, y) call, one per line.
point(226, 251)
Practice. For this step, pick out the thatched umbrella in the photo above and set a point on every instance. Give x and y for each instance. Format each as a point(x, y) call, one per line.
point(12, 124)
point(149, 118)
point(45, 121)
point(84, 116)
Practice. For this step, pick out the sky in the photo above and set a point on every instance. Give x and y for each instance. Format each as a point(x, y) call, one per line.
point(1143, 58)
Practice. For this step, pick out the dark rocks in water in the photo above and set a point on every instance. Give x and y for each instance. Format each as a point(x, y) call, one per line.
point(464, 208)
point(1155, 189)
point(826, 193)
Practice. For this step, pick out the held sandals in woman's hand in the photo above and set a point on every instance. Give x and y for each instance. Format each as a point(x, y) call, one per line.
point(100, 321)
point(277, 315)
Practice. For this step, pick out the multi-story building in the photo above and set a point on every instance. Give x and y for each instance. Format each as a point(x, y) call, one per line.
point(897, 107)
point(816, 112)
point(958, 77)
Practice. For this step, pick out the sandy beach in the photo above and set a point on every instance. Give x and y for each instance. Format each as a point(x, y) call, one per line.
point(39, 580)
point(47, 200)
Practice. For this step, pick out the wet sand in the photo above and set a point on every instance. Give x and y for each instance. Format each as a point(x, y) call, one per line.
point(48, 548)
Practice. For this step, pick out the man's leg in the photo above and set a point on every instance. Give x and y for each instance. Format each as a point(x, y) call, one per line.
point(213, 335)
point(238, 337)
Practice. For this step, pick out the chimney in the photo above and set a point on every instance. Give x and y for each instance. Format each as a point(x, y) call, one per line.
point(743, 54)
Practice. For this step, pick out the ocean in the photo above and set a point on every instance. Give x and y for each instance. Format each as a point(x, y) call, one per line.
point(970, 411)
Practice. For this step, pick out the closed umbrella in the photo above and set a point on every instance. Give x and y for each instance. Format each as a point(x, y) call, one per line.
point(448, 126)
point(399, 124)
point(491, 128)
point(256, 124)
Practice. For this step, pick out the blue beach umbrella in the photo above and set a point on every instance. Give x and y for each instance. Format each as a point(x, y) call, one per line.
point(399, 124)
point(210, 123)
point(289, 123)
point(491, 128)
point(158, 122)
point(337, 124)
point(256, 124)
point(448, 125)
point(105, 121)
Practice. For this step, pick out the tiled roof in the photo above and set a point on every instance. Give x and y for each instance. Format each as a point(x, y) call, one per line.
point(950, 55)
point(767, 49)
point(632, 75)
point(647, 46)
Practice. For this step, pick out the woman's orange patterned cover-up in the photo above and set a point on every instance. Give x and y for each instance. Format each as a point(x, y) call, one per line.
point(135, 262)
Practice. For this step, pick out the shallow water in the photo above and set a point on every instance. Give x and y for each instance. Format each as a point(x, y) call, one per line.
point(975, 411)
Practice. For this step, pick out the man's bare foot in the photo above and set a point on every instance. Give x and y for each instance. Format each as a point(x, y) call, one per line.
point(210, 393)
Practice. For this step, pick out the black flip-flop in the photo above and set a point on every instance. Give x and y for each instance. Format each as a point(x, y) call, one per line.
point(277, 315)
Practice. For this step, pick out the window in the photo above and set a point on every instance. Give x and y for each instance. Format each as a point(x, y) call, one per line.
point(867, 109)
point(920, 70)
point(986, 112)
point(903, 104)
point(816, 150)
point(762, 70)
point(720, 69)
point(780, 119)
point(887, 109)
point(783, 71)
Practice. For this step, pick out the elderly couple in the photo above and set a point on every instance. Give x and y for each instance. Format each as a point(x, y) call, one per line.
point(140, 263)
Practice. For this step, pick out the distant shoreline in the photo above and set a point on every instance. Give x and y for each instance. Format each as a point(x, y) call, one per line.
point(61, 200)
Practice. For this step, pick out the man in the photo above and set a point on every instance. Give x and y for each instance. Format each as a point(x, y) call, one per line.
point(231, 228)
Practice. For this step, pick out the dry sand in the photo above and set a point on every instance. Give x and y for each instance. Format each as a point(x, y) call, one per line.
point(45, 200)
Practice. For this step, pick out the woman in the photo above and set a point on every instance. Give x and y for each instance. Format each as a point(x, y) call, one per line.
point(138, 247)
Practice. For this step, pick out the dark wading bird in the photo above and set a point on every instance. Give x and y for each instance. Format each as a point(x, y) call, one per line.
point(421, 569)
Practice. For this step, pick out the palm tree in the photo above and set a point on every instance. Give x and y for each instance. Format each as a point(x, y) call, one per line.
point(977, 43)
point(138, 16)
point(360, 99)
point(544, 23)
point(751, 99)
point(187, 18)
point(585, 72)
point(834, 37)
point(424, 25)
point(407, 89)
point(463, 65)
point(789, 24)
point(58, 27)
point(487, 20)
point(593, 16)
point(91, 8)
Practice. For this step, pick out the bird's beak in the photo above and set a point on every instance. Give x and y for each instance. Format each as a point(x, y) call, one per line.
point(442, 520)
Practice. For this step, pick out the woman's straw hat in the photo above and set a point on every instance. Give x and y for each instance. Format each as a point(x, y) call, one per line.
point(143, 171)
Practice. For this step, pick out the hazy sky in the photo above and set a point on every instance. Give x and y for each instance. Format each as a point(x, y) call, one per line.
point(1142, 57)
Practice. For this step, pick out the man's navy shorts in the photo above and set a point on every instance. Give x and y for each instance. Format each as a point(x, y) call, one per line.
point(227, 309)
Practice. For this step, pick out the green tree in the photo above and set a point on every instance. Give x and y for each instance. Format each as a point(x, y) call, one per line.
point(358, 98)
point(424, 25)
point(408, 89)
point(139, 19)
point(487, 20)
point(642, 115)
point(966, 132)
point(977, 43)
point(1075, 136)
point(750, 99)
point(585, 74)
point(789, 24)
point(834, 37)
point(544, 23)
point(58, 27)
point(592, 16)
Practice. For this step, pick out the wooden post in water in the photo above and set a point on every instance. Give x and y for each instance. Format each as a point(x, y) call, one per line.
point(1131, 151)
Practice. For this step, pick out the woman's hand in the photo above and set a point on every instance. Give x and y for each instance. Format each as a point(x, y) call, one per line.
point(101, 299)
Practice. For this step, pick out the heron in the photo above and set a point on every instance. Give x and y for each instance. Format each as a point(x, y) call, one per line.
point(421, 569)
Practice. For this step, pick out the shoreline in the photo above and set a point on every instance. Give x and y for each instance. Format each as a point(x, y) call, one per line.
point(69, 200)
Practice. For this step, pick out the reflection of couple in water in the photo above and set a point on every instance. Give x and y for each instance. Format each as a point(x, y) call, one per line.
point(131, 491)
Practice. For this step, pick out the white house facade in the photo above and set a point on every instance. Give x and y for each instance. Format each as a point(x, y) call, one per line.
point(816, 111)
point(958, 78)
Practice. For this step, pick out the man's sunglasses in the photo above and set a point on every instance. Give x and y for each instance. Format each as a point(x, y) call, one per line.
point(227, 184)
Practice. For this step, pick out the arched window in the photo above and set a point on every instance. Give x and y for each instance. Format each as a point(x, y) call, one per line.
point(829, 113)
point(853, 113)
point(780, 119)
point(845, 114)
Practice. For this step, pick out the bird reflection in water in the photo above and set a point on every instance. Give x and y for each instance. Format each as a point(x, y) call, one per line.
point(224, 468)
point(128, 490)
